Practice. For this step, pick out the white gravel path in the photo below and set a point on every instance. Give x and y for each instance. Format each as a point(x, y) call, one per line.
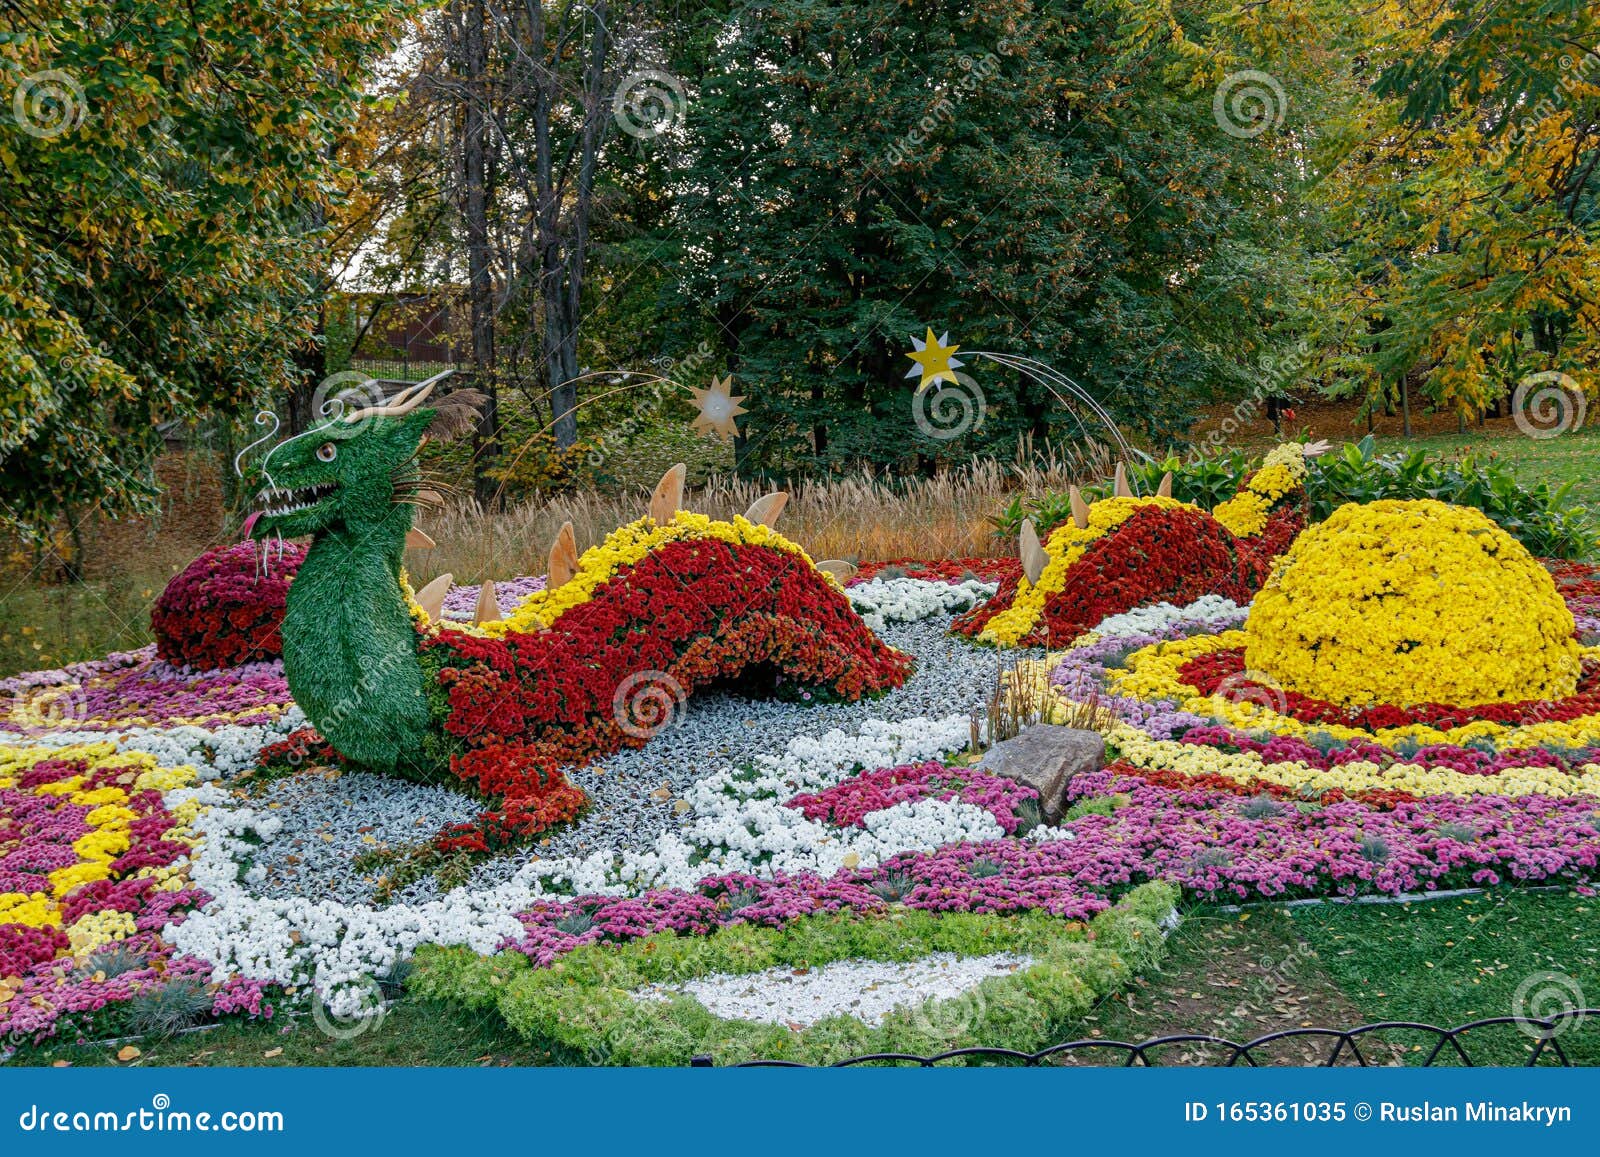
point(328, 820)
point(865, 989)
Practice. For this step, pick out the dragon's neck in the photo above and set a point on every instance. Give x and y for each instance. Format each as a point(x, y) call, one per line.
point(350, 649)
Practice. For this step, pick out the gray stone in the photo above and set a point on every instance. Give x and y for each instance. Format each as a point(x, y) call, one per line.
point(1046, 756)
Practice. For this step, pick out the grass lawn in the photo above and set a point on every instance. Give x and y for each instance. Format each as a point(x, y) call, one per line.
point(1236, 975)
point(1450, 961)
point(1573, 457)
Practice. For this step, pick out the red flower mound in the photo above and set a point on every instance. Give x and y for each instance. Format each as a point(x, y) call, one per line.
point(219, 611)
point(613, 671)
point(1160, 554)
point(1207, 673)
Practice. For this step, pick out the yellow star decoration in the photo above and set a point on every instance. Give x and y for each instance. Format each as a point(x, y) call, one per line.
point(934, 359)
point(718, 408)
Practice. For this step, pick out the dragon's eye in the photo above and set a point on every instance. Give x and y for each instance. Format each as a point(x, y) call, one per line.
point(327, 452)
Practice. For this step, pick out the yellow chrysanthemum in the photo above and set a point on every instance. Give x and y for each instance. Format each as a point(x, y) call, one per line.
point(1282, 471)
point(1407, 602)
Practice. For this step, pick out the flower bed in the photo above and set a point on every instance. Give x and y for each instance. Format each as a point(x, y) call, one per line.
point(92, 868)
point(872, 843)
point(850, 803)
point(226, 607)
point(1407, 602)
point(1071, 966)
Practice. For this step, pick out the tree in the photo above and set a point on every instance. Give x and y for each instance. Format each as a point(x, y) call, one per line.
point(1012, 173)
point(159, 231)
point(1491, 135)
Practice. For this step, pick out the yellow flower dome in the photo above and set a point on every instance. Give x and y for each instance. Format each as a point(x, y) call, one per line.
point(1408, 602)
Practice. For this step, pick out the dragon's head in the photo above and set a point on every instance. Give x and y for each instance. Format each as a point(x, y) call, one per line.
point(352, 469)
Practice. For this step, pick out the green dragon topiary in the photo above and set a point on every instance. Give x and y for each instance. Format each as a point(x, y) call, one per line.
point(600, 659)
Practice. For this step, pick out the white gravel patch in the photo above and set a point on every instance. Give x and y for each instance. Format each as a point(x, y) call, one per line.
point(865, 989)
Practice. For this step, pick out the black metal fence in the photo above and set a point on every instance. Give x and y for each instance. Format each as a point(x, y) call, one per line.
point(400, 369)
point(1362, 1046)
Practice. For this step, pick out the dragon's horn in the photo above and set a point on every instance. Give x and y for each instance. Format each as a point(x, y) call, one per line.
point(402, 403)
point(488, 608)
point(838, 568)
point(1121, 487)
point(563, 558)
point(1165, 489)
point(418, 539)
point(1033, 555)
point(1080, 508)
point(765, 510)
point(431, 597)
point(668, 495)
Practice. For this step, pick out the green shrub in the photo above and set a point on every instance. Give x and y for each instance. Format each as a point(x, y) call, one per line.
point(582, 1009)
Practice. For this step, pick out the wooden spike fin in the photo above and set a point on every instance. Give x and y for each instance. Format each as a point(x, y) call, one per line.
point(668, 496)
point(431, 597)
point(1121, 489)
point(1033, 556)
point(488, 608)
point(1165, 489)
point(563, 558)
point(765, 510)
point(418, 539)
point(838, 568)
point(1080, 508)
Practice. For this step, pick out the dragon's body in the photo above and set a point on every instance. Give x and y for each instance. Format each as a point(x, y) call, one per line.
point(599, 660)
point(1125, 552)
